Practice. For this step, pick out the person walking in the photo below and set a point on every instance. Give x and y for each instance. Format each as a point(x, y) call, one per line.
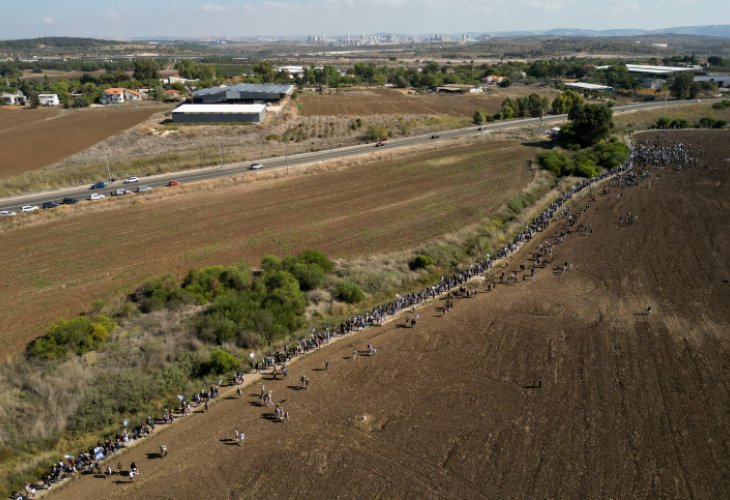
point(326, 365)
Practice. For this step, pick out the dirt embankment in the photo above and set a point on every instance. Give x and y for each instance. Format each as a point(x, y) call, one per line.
point(560, 387)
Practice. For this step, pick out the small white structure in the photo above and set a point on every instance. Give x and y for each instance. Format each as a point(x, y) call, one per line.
point(590, 87)
point(291, 70)
point(119, 95)
point(48, 100)
point(16, 99)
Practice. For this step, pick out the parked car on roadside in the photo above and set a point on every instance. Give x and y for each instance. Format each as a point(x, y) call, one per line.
point(143, 189)
point(120, 192)
point(435, 136)
point(29, 208)
point(70, 201)
point(99, 185)
point(173, 183)
point(379, 144)
point(131, 180)
point(6, 213)
point(96, 196)
point(50, 204)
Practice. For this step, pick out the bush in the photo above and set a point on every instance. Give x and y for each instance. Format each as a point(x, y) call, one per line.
point(155, 294)
point(220, 362)
point(315, 257)
point(309, 276)
point(376, 133)
point(419, 262)
point(348, 292)
point(271, 263)
point(79, 335)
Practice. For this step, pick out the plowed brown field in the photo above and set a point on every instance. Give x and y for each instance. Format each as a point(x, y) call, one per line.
point(35, 138)
point(629, 406)
point(394, 102)
point(60, 265)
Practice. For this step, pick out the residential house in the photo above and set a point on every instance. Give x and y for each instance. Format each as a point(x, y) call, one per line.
point(48, 100)
point(119, 95)
point(16, 99)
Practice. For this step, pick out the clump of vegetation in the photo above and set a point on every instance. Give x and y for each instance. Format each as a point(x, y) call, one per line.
point(348, 292)
point(420, 262)
point(79, 335)
point(681, 123)
point(376, 133)
point(587, 162)
point(589, 125)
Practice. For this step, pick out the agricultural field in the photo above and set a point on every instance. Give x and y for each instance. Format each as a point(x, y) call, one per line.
point(57, 264)
point(644, 119)
point(366, 102)
point(31, 139)
point(558, 387)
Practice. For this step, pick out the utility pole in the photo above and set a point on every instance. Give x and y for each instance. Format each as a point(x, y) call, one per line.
point(286, 153)
point(108, 170)
point(220, 152)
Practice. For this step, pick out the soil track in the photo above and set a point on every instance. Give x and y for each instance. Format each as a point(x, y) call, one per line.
point(58, 266)
point(630, 405)
point(35, 138)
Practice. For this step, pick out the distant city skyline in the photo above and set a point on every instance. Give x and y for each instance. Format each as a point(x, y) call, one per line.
point(241, 18)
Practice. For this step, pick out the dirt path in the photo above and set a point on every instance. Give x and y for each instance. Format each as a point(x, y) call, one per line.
point(629, 405)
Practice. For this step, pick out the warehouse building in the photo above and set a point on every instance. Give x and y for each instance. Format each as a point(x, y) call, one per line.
point(219, 113)
point(243, 93)
point(655, 77)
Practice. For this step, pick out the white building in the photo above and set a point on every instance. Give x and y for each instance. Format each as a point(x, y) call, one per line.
point(16, 99)
point(119, 95)
point(291, 70)
point(48, 100)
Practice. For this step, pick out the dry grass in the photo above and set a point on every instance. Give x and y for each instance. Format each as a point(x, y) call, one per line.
point(638, 120)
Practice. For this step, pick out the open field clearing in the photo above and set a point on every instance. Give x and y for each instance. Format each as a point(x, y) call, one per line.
point(60, 264)
point(34, 138)
point(366, 102)
point(643, 119)
point(561, 387)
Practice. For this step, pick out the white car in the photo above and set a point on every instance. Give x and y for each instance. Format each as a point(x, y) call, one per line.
point(6, 213)
point(131, 180)
point(29, 208)
point(96, 196)
point(256, 166)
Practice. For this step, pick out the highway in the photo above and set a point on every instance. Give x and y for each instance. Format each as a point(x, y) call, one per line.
point(83, 192)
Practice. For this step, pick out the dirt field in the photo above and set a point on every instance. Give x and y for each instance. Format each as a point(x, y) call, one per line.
point(629, 405)
point(60, 265)
point(35, 138)
point(390, 101)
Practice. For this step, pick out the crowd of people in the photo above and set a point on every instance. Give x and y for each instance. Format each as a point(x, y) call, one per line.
point(643, 158)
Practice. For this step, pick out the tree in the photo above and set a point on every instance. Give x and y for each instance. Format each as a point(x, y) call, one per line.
point(566, 101)
point(590, 124)
point(376, 133)
point(265, 71)
point(478, 117)
point(146, 69)
point(681, 84)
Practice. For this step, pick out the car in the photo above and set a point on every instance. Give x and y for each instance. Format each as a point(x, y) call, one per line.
point(143, 189)
point(480, 129)
point(99, 185)
point(173, 183)
point(435, 136)
point(379, 144)
point(120, 192)
point(50, 204)
point(6, 213)
point(29, 208)
point(131, 180)
point(256, 166)
point(96, 196)
point(70, 201)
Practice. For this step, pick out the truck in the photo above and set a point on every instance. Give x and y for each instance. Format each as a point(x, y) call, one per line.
point(120, 192)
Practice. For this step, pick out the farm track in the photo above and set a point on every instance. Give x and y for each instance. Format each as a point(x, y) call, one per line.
point(630, 406)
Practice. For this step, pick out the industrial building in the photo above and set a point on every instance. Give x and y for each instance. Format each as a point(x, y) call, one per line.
point(654, 77)
point(219, 113)
point(243, 93)
point(590, 88)
point(722, 81)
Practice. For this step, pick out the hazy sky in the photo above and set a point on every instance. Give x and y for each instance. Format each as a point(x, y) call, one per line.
point(184, 18)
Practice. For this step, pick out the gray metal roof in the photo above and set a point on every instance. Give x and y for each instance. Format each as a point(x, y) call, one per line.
point(264, 88)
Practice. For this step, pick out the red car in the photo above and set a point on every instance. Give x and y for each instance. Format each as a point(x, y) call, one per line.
point(173, 183)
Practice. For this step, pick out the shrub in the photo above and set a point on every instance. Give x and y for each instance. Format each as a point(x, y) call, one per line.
point(315, 257)
point(348, 292)
point(219, 362)
point(270, 263)
point(155, 294)
point(79, 335)
point(309, 276)
point(419, 262)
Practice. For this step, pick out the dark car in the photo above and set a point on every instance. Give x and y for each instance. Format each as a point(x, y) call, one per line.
point(435, 136)
point(173, 183)
point(379, 144)
point(50, 204)
point(99, 185)
point(70, 201)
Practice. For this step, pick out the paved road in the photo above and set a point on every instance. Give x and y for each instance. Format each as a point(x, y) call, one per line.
point(83, 192)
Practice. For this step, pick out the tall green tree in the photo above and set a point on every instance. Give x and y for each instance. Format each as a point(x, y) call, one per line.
point(264, 71)
point(590, 124)
point(146, 69)
point(681, 84)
